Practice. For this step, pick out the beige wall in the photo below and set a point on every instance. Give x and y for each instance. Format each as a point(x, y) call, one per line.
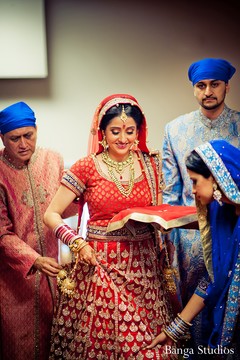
point(96, 48)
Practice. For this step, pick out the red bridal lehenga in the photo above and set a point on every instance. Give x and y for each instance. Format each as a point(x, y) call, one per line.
point(121, 304)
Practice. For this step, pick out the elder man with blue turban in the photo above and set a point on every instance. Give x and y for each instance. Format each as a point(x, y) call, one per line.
point(213, 120)
point(29, 177)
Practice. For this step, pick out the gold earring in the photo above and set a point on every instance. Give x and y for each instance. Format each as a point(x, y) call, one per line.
point(217, 195)
point(104, 143)
point(135, 144)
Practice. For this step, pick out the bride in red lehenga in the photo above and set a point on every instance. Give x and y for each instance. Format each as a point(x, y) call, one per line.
point(119, 303)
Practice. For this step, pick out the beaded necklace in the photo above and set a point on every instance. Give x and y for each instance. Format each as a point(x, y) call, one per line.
point(13, 163)
point(119, 167)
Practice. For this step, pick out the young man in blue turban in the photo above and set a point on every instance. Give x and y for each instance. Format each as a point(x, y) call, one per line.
point(213, 120)
point(29, 177)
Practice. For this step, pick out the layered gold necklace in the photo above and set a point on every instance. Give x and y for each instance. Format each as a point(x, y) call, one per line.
point(119, 167)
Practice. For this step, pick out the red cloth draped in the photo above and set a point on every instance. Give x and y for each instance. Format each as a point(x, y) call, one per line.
point(166, 216)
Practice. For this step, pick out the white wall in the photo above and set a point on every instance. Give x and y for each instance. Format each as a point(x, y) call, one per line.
point(97, 48)
point(22, 39)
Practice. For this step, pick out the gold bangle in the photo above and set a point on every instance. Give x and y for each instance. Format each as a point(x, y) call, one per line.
point(75, 239)
point(171, 337)
point(74, 246)
point(83, 245)
point(185, 322)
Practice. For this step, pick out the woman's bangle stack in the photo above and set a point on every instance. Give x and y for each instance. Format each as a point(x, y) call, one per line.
point(69, 237)
point(178, 329)
point(77, 244)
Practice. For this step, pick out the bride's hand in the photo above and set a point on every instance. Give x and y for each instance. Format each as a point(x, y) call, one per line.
point(87, 255)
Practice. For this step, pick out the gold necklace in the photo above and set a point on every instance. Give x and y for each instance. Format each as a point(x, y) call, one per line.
point(13, 163)
point(119, 167)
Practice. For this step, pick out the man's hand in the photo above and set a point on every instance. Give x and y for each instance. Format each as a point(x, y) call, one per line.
point(47, 265)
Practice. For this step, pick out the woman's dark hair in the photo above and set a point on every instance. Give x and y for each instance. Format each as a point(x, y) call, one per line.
point(130, 110)
point(195, 163)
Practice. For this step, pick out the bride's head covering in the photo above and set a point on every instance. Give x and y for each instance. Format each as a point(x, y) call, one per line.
point(96, 134)
point(223, 160)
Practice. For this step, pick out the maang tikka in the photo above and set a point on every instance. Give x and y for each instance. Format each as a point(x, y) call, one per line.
point(217, 195)
point(123, 115)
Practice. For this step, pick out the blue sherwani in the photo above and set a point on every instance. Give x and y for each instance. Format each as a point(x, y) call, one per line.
point(181, 136)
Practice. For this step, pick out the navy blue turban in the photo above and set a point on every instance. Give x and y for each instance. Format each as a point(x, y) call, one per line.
point(16, 116)
point(216, 69)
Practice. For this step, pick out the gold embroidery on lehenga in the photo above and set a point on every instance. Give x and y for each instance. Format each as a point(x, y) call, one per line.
point(138, 290)
point(111, 305)
point(121, 338)
point(130, 287)
point(123, 327)
point(136, 317)
point(112, 255)
point(122, 306)
point(127, 317)
point(100, 334)
point(125, 254)
point(139, 337)
point(110, 325)
point(92, 354)
point(131, 308)
point(135, 263)
point(108, 294)
point(123, 265)
point(114, 303)
point(125, 348)
point(97, 323)
point(133, 327)
point(129, 338)
point(142, 327)
point(98, 302)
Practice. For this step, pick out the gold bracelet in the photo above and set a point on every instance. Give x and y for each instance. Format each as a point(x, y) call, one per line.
point(83, 245)
point(74, 246)
point(171, 337)
point(185, 322)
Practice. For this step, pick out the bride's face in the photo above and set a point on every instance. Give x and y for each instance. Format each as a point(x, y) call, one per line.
point(120, 137)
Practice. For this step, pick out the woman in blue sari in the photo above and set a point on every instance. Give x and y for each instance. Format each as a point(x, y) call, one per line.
point(214, 168)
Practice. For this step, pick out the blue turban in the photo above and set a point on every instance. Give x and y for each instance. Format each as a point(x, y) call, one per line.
point(16, 116)
point(216, 69)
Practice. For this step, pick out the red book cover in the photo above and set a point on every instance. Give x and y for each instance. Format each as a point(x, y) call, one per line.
point(165, 215)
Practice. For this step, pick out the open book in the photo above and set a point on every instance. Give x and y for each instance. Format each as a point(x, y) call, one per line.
point(166, 216)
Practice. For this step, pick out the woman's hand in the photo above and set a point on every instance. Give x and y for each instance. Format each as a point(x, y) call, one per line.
point(87, 255)
point(161, 339)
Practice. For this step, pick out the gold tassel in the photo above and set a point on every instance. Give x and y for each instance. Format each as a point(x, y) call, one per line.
point(170, 274)
point(66, 282)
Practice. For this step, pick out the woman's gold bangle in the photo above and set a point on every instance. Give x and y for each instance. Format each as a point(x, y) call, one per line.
point(186, 322)
point(76, 245)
